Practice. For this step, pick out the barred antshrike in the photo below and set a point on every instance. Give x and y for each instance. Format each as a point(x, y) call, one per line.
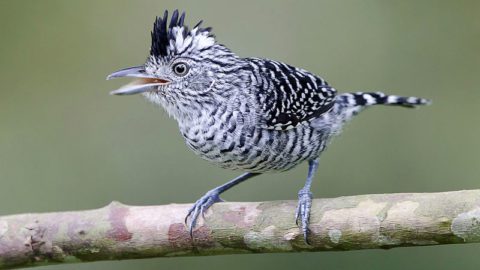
point(250, 114)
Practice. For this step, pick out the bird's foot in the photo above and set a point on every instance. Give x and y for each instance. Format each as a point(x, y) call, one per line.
point(302, 214)
point(199, 207)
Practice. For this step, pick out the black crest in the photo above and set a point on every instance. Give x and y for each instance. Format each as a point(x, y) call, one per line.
point(163, 32)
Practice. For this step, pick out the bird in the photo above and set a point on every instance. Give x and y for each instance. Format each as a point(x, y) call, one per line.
point(250, 114)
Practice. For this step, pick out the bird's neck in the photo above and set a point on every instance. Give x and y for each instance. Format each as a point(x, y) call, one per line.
point(191, 112)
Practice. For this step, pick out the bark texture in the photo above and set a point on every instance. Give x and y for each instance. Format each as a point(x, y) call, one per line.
point(119, 231)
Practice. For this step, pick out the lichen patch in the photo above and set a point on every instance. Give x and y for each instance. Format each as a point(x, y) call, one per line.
point(354, 225)
point(266, 239)
point(291, 234)
point(356, 219)
point(158, 220)
point(402, 209)
point(335, 235)
point(467, 225)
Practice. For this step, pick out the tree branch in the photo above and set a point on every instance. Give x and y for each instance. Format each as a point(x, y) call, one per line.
point(119, 231)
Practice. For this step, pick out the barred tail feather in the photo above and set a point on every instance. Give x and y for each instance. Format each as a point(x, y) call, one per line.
point(373, 98)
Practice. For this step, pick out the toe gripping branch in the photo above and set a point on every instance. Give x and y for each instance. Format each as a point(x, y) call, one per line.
point(211, 197)
point(302, 213)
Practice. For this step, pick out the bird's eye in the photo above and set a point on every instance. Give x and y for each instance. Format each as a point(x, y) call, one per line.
point(181, 69)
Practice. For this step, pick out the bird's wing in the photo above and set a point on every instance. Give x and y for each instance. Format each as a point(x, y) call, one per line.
point(289, 96)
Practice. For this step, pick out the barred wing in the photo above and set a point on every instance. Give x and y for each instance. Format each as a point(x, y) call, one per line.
point(289, 96)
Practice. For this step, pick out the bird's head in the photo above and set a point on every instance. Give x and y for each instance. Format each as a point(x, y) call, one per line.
point(185, 69)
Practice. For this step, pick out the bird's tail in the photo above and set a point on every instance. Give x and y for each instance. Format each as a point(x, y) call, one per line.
point(363, 99)
point(350, 104)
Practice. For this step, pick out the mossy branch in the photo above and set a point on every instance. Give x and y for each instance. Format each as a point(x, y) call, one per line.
point(119, 231)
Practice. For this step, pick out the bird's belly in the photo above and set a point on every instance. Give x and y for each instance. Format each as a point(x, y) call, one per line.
point(255, 149)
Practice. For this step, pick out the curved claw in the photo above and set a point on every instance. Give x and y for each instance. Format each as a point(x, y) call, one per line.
point(200, 207)
point(302, 213)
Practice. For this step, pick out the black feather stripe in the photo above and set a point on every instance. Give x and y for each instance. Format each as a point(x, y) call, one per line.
point(160, 36)
point(162, 32)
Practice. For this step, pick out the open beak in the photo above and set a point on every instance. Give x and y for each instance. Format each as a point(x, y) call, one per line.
point(143, 83)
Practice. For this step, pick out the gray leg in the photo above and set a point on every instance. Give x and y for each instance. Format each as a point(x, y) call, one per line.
point(210, 198)
point(302, 214)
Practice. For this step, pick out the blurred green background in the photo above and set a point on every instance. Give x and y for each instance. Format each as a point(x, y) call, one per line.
point(65, 144)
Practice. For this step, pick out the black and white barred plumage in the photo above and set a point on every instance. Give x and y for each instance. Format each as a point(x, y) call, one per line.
point(289, 95)
point(249, 114)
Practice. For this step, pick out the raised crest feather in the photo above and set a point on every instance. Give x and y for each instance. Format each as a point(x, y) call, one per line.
point(175, 38)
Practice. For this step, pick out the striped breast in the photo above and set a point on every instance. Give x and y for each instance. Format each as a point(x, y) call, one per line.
point(229, 139)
